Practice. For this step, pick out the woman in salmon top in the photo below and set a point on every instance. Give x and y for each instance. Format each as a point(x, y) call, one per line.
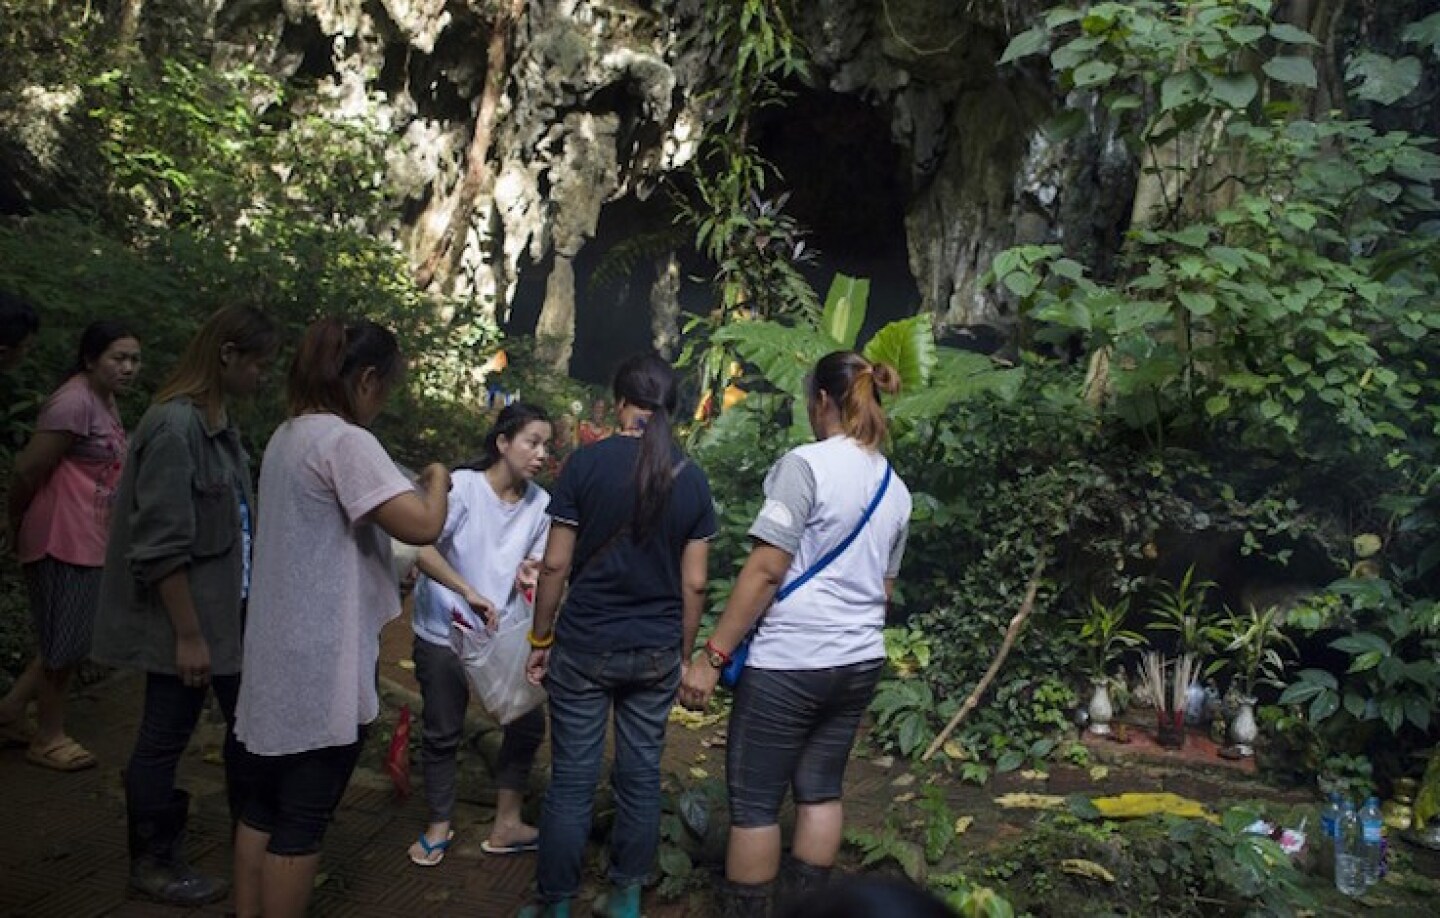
point(60, 499)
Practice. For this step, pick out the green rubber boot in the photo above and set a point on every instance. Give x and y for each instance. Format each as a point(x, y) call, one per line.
point(619, 902)
point(547, 910)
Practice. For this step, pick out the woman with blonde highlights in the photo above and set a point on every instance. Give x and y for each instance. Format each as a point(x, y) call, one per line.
point(817, 653)
point(176, 580)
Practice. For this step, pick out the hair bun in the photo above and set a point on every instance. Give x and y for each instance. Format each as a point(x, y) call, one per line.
point(887, 378)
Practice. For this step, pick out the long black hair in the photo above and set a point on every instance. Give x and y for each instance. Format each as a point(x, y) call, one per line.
point(648, 382)
point(512, 419)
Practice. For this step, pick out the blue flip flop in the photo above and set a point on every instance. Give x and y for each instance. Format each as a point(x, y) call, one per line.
point(517, 848)
point(434, 851)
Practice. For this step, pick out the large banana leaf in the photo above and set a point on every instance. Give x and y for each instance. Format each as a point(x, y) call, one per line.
point(959, 376)
point(845, 306)
point(783, 354)
point(907, 345)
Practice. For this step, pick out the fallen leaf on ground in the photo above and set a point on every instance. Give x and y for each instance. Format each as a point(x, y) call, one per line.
point(1131, 805)
point(406, 664)
point(963, 824)
point(1083, 868)
point(884, 761)
point(1099, 772)
point(699, 773)
point(904, 780)
point(1030, 801)
point(954, 750)
point(905, 798)
point(1035, 774)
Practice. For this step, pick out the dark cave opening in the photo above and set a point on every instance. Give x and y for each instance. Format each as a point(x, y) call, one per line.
point(844, 174)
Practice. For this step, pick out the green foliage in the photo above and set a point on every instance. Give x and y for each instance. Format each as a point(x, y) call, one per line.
point(1256, 640)
point(1104, 634)
point(1161, 865)
point(1392, 679)
point(756, 247)
point(1179, 609)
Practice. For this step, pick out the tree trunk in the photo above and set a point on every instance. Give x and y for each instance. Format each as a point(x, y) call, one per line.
point(439, 265)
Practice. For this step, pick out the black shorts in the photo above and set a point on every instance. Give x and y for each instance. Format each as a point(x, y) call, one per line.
point(292, 798)
point(793, 729)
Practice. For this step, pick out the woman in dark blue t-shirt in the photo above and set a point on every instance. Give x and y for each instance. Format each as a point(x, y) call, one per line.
point(631, 523)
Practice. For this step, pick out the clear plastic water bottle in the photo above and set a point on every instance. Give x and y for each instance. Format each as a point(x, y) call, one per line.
point(1329, 825)
point(1349, 863)
point(1372, 839)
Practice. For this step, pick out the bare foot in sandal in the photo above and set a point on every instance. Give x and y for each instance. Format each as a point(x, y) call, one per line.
point(63, 754)
point(511, 838)
point(429, 849)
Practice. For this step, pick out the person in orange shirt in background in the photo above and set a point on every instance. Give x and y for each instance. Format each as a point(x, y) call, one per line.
point(593, 429)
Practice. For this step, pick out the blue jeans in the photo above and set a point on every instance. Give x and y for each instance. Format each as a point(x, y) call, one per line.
point(640, 685)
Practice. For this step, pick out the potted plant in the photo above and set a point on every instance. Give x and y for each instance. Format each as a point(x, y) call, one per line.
point(1180, 610)
point(1255, 642)
point(1105, 637)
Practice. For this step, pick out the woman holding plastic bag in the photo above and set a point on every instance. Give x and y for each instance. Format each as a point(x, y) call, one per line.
point(827, 547)
point(480, 576)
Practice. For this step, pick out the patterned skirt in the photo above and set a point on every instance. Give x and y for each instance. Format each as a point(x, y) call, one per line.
point(63, 598)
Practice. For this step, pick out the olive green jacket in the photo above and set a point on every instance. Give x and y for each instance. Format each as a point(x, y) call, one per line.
point(178, 506)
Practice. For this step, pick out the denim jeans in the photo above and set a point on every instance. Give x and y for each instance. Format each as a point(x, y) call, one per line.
point(793, 729)
point(446, 694)
point(640, 686)
point(172, 709)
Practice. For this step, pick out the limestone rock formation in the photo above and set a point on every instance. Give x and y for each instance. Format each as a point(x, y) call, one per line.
point(602, 100)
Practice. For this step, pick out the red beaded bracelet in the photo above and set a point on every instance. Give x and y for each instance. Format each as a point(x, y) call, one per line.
point(712, 650)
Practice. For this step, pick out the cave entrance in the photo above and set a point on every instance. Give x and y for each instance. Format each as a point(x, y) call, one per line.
point(846, 181)
point(845, 177)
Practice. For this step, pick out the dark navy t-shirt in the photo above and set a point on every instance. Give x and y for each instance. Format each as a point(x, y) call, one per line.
point(626, 597)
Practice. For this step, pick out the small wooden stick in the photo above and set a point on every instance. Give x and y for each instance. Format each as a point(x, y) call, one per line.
point(1027, 605)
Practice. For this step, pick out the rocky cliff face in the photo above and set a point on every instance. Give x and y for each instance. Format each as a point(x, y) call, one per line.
point(599, 102)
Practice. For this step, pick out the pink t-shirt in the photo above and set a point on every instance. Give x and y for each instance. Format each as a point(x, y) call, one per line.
point(69, 517)
point(322, 587)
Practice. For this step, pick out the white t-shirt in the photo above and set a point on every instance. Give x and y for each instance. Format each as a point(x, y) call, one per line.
point(485, 540)
point(814, 496)
point(322, 588)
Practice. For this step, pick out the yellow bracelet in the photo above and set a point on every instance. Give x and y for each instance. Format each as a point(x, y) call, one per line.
point(540, 643)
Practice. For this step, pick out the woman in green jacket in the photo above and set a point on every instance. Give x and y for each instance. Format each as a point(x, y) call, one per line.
point(177, 575)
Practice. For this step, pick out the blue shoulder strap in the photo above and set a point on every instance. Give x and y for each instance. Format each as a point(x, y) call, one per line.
point(838, 550)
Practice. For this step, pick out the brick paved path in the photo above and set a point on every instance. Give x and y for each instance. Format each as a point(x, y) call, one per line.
point(62, 837)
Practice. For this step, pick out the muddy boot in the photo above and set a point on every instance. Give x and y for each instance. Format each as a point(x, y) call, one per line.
point(799, 881)
point(745, 900)
point(157, 867)
point(619, 902)
point(549, 910)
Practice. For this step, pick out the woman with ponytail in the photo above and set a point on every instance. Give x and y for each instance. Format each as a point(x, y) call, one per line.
point(631, 519)
point(816, 656)
point(322, 588)
point(486, 558)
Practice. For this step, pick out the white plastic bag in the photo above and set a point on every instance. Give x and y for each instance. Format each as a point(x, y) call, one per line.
point(495, 663)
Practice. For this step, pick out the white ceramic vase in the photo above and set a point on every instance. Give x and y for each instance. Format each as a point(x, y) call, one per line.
point(1243, 728)
point(1101, 711)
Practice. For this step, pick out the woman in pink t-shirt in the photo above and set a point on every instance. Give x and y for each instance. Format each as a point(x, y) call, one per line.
point(60, 498)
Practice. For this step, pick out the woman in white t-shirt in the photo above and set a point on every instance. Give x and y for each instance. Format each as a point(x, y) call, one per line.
point(485, 560)
point(322, 587)
point(818, 651)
